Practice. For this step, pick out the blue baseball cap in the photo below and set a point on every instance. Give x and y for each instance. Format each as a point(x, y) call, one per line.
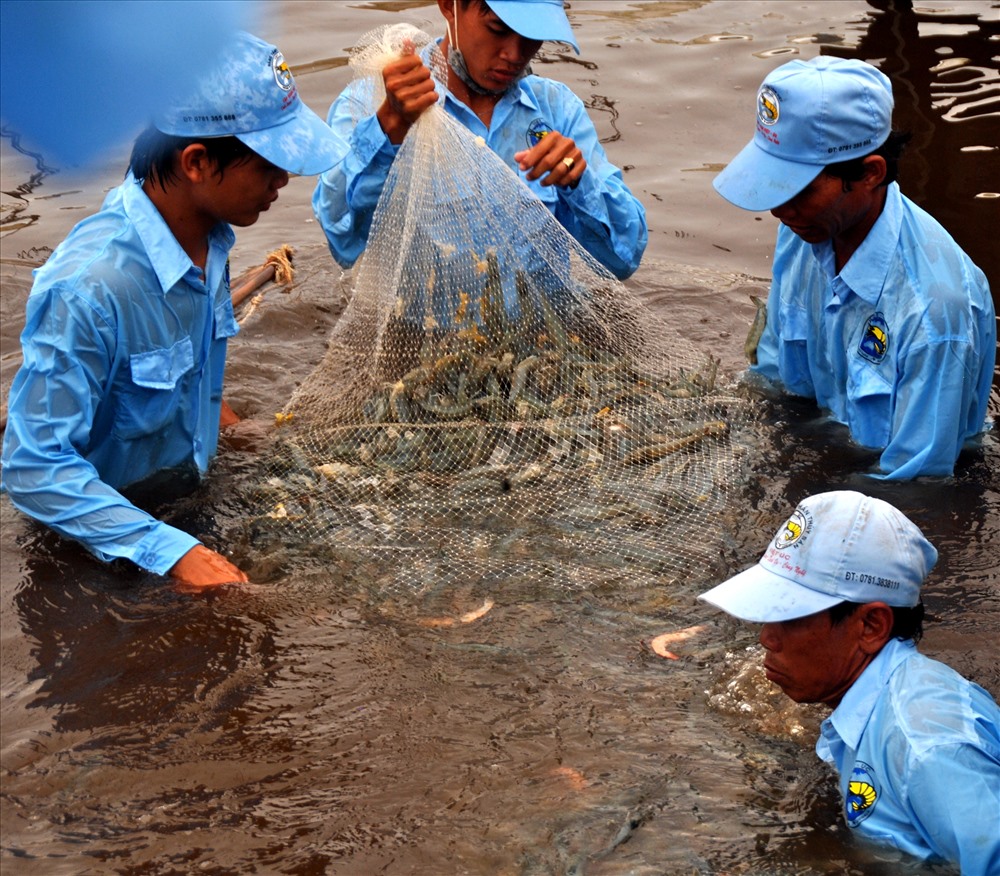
point(250, 94)
point(840, 546)
point(809, 114)
point(536, 19)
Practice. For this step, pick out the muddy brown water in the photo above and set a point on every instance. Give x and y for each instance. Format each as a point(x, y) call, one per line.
point(304, 725)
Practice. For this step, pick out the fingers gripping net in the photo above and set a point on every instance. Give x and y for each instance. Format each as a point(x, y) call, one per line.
point(494, 407)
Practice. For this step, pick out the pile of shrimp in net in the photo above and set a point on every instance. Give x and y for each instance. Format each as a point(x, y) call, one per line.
point(494, 408)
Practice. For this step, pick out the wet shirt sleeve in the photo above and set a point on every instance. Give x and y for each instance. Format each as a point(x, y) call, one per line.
point(600, 211)
point(783, 354)
point(941, 394)
point(931, 408)
point(954, 797)
point(53, 401)
point(345, 197)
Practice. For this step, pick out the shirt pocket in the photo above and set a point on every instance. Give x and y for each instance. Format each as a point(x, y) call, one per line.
point(150, 400)
point(869, 399)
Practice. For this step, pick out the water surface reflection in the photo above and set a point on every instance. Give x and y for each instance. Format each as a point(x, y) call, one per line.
point(311, 725)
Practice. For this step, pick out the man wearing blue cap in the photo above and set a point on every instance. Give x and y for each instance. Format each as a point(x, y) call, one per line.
point(127, 322)
point(874, 310)
point(535, 124)
point(916, 745)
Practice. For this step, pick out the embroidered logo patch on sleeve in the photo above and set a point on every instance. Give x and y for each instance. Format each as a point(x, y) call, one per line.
point(875, 339)
point(862, 794)
point(536, 132)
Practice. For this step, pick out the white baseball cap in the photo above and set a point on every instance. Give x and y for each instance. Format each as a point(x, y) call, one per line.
point(840, 546)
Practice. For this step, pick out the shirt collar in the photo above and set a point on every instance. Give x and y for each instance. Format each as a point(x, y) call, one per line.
point(851, 717)
point(867, 268)
point(167, 257)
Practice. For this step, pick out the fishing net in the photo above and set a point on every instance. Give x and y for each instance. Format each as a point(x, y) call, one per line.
point(494, 407)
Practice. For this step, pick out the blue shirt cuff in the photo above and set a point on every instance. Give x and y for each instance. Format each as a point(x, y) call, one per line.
point(160, 549)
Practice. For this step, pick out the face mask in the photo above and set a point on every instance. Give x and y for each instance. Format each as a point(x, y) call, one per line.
point(456, 60)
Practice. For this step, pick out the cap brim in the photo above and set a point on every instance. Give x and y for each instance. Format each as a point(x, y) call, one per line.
point(536, 21)
point(759, 596)
point(757, 180)
point(303, 145)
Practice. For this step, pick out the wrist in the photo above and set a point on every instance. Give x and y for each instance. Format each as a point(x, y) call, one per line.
point(393, 125)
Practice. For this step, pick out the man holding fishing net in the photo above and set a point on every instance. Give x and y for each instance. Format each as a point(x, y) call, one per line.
point(916, 745)
point(537, 126)
point(127, 322)
point(487, 362)
point(874, 310)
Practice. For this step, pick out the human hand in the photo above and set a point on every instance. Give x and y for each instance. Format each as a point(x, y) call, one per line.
point(554, 157)
point(247, 436)
point(227, 416)
point(409, 90)
point(201, 567)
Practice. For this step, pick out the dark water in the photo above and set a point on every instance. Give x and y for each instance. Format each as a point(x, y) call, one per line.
point(307, 725)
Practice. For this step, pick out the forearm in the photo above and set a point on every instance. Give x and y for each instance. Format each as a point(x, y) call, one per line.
point(607, 220)
point(962, 827)
point(783, 351)
point(599, 211)
point(65, 493)
point(767, 357)
point(931, 413)
point(345, 197)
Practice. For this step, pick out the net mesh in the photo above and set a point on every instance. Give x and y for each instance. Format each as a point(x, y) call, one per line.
point(494, 407)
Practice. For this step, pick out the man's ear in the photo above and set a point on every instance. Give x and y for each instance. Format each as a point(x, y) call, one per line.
point(447, 8)
point(875, 171)
point(876, 626)
point(194, 163)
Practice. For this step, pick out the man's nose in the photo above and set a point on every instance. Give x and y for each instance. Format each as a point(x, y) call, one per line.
point(769, 637)
point(519, 50)
point(783, 212)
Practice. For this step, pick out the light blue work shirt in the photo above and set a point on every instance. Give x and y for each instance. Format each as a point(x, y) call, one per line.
point(900, 346)
point(124, 350)
point(600, 211)
point(917, 747)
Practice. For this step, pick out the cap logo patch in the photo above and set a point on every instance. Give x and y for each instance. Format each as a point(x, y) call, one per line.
point(768, 108)
point(795, 528)
point(875, 339)
point(282, 74)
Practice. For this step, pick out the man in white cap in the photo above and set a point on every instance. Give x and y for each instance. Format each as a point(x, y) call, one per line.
point(874, 310)
point(127, 322)
point(917, 746)
point(535, 124)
